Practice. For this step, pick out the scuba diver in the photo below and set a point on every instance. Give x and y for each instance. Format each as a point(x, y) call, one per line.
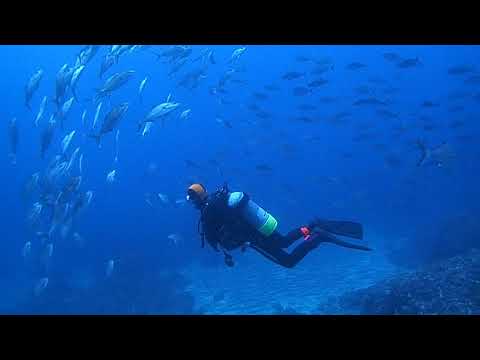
point(231, 220)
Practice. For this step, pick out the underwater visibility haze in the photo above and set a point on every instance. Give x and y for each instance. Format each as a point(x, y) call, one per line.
point(101, 144)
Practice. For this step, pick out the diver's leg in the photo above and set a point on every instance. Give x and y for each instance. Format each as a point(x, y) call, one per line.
point(284, 241)
point(282, 257)
point(292, 259)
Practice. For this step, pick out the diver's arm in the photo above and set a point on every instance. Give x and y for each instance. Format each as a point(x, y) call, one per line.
point(211, 218)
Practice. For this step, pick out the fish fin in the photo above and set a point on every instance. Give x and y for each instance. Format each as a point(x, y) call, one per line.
point(423, 150)
point(97, 138)
point(98, 95)
point(13, 159)
point(159, 56)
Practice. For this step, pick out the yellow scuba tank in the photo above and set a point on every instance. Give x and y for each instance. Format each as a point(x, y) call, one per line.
point(255, 215)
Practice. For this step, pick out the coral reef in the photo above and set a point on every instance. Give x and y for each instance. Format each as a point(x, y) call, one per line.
point(448, 287)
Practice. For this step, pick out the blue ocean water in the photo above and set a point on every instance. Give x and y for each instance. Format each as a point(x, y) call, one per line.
point(306, 131)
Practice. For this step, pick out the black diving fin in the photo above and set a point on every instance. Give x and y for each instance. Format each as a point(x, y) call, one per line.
point(326, 237)
point(343, 228)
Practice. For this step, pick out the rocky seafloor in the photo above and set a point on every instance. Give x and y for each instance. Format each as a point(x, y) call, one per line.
point(365, 284)
point(256, 286)
point(449, 287)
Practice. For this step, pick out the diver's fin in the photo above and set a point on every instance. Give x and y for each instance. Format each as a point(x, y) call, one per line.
point(326, 237)
point(342, 228)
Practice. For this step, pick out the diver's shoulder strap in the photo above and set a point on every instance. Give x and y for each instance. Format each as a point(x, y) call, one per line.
point(223, 190)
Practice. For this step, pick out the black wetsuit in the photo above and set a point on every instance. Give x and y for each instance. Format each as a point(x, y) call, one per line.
point(224, 229)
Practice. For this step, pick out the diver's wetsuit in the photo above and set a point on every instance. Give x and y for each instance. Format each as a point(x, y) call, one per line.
point(272, 247)
point(224, 227)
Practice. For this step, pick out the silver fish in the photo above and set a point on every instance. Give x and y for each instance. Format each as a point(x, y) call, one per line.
point(35, 213)
point(87, 54)
point(32, 86)
point(80, 162)
point(176, 238)
point(163, 198)
point(114, 49)
point(146, 128)
point(79, 240)
point(40, 286)
point(142, 87)
point(113, 83)
point(61, 84)
point(47, 136)
point(236, 54)
point(60, 211)
point(111, 121)
point(116, 145)
point(185, 114)
point(67, 105)
point(13, 132)
point(107, 63)
point(64, 111)
point(41, 110)
point(72, 159)
point(27, 249)
point(66, 141)
point(111, 176)
point(66, 227)
point(32, 184)
point(109, 268)
point(121, 50)
point(439, 156)
point(84, 116)
point(97, 112)
point(49, 250)
point(369, 101)
point(180, 202)
point(75, 76)
point(88, 196)
point(161, 111)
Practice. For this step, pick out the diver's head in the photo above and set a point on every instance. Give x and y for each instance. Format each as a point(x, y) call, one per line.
point(197, 195)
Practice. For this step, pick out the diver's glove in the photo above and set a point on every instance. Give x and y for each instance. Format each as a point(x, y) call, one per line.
point(228, 259)
point(245, 246)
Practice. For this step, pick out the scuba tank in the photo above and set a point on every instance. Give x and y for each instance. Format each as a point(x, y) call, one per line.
point(252, 213)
